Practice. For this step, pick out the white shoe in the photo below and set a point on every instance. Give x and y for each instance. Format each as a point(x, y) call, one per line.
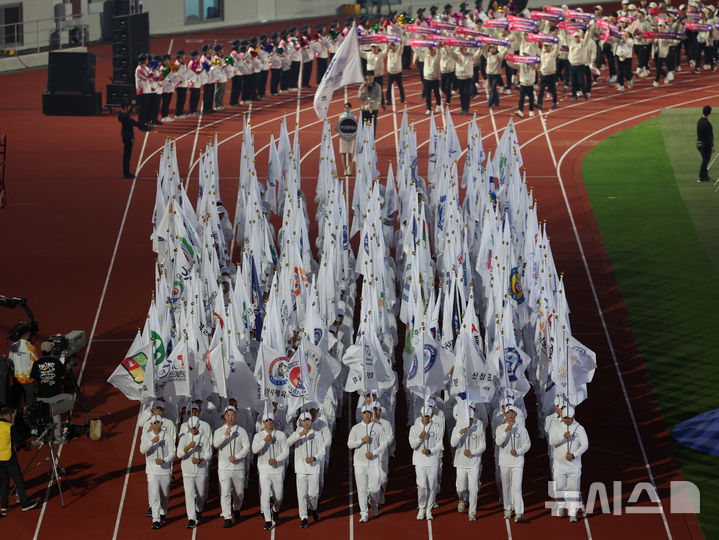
point(519, 113)
point(667, 81)
point(620, 87)
point(670, 76)
point(461, 507)
point(679, 68)
point(428, 112)
point(655, 84)
point(531, 114)
point(166, 119)
point(472, 516)
point(420, 515)
point(613, 79)
point(430, 517)
point(507, 514)
point(364, 518)
point(508, 91)
point(706, 67)
point(630, 84)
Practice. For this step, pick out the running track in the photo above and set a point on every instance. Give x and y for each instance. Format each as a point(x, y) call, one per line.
point(76, 243)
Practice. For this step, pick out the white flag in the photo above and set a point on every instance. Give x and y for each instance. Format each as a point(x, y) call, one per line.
point(344, 69)
point(134, 376)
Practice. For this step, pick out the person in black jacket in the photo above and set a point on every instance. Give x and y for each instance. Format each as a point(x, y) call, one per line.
point(128, 136)
point(705, 143)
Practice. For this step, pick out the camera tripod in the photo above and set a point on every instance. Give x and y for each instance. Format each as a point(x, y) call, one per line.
point(56, 470)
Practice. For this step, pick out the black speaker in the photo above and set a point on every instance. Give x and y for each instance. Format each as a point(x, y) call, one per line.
point(117, 94)
point(71, 72)
point(130, 38)
point(72, 104)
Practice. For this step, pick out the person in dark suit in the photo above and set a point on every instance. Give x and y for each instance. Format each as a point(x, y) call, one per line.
point(705, 143)
point(127, 133)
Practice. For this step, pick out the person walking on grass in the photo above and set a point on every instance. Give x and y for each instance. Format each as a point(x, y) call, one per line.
point(705, 143)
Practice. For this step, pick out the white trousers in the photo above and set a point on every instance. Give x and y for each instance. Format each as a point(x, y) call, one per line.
point(468, 486)
point(566, 492)
point(367, 479)
point(512, 489)
point(195, 488)
point(271, 484)
point(426, 486)
point(232, 491)
point(158, 488)
point(308, 492)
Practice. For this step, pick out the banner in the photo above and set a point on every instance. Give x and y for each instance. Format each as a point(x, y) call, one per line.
point(554, 10)
point(698, 27)
point(423, 43)
point(495, 41)
point(546, 16)
point(344, 69)
point(522, 59)
point(419, 29)
point(379, 38)
point(495, 23)
point(441, 25)
point(516, 27)
point(451, 41)
point(574, 14)
point(541, 37)
point(573, 26)
point(661, 35)
point(469, 32)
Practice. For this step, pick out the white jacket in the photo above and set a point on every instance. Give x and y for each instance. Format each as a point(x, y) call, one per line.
point(310, 445)
point(277, 448)
point(576, 444)
point(202, 449)
point(394, 60)
point(521, 444)
point(473, 440)
point(378, 444)
point(235, 444)
point(163, 449)
point(434, 442)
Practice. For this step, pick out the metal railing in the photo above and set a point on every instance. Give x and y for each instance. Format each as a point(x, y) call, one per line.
point(28, 37)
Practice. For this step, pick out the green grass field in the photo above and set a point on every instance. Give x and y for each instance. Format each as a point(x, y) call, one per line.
point(661, 231)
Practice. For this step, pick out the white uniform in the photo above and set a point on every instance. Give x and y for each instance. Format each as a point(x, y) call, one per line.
point(367, 471)
point(469, 468)
point(512, 467)
point(272, 477)
point(567, 474)
point(194, 475)
point(384, 474)
point(307, 475)
point(158, 476)
point(231, 475)
point(427, 466)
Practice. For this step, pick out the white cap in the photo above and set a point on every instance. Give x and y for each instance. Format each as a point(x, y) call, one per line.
point(567, 411)
point(577, 34)
point(515, 409)
point(376, 405)
point(159, 404)
point(600, 8)
point(682, 7)
point(426, 411)
point(430, 402)
point(366, 408)
point(155, 418)
point(193, 421)
point(711, 8)
point(268, 416)
point(652, 5)
point(632, 7)
point(625, 1)
point(307, 416)
point(194, 406)
point(229, 408)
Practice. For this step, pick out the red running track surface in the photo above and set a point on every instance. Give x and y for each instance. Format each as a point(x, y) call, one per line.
point(76, 242)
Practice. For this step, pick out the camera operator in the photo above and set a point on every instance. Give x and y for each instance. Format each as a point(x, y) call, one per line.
point(9, 466)
point(49, 373)
point(22, 356)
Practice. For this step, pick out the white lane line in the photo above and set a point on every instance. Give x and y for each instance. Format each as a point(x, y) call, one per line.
point(94, 325)
point(595, 296)
point(118, 517)
point(556, 168)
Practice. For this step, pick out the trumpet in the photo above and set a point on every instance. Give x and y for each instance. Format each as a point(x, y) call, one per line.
point(216, 61)
point(174, 68)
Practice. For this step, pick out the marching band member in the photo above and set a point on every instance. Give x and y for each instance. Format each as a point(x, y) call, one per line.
point(208, 85)
point(219, 76)
point(194, 82)
point(182, 75)
point(143, 74)
point(167, 84)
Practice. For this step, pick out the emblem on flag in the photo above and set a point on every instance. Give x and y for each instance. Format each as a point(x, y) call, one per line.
point(278, 371)
point(135, 366)
point(515, 286)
